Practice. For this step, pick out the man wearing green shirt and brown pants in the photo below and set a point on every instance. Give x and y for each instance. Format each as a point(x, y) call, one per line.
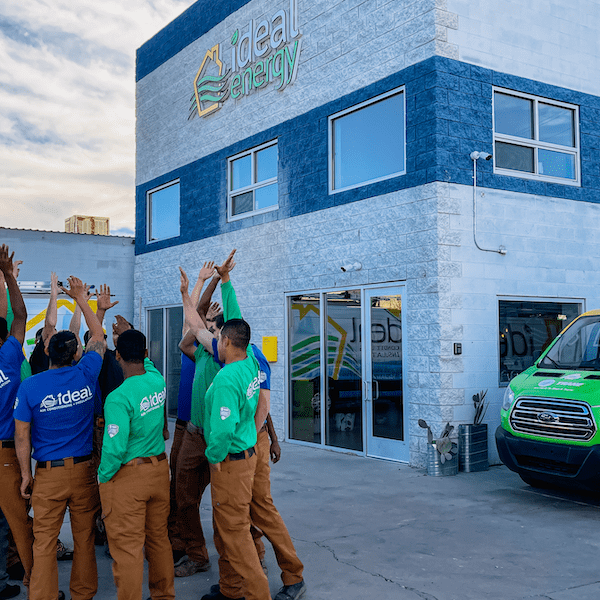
point(134, 475)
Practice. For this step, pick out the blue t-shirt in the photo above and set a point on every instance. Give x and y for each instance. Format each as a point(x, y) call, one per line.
point(263, 364)
point(11, 357)
point(184, 398)
point(59, 404)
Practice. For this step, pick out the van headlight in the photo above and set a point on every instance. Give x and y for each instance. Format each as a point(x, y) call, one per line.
point(509, 398)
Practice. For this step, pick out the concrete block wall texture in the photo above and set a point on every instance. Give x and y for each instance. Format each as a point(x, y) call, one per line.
point(551, 244)
point(346, 45)
point(94, 259)
point(448, 115)
point(554, 41)
point(305, 253)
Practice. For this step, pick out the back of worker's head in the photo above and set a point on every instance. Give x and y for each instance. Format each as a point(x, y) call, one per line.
point(131, 346)
point(62, 348)
point(238, 332)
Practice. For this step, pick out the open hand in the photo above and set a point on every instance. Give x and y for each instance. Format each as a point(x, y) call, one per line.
point(6, 260)
point(207, 270)
point(227, 266)
point(103, 296)
point(185, 282)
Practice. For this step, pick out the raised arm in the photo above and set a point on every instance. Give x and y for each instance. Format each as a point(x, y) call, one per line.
point(231, 308)
point(3, 297)
point(77, 292)
point(192, 318)
point(51, 312)
point(75, 324)
point(17, 328)
point(104, 303)
point(204, 304)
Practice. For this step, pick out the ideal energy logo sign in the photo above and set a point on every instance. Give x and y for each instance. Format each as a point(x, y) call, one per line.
point(266, 54)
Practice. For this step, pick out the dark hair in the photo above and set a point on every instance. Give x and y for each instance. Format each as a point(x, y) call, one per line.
point(238, 332)
point(219, 321)
point(86, 337)
point(62, 348)
point(38, 334)
point(3, 329)
point(131, 345)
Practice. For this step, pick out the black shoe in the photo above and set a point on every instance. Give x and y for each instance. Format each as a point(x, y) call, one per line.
point(291, 592)
point(178, 555)
point(10, 591)
point(215, 594)
point(16, 572)
point(61, 595)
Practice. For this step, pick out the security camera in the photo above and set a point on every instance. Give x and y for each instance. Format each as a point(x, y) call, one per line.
point(476, 155)
point(356, 266)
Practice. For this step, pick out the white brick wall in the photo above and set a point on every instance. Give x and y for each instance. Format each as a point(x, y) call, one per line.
point(346, 45)
point(555, 41)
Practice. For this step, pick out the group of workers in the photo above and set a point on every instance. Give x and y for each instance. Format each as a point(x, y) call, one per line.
point(96, 422)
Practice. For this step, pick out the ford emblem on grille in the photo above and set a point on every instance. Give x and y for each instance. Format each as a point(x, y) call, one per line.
point(547, 417)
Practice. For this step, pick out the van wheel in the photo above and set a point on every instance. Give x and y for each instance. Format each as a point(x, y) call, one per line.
point(535, 482)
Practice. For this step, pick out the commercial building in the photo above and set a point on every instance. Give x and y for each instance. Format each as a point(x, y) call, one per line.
point(95, 259)
point(334, 144)
point(84, 224)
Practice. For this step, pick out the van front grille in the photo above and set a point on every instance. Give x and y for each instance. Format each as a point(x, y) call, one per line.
point(553, 418)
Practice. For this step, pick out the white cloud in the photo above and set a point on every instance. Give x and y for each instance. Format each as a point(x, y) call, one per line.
point(67, 107)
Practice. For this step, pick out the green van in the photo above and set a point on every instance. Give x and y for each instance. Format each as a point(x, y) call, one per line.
point(550, 413)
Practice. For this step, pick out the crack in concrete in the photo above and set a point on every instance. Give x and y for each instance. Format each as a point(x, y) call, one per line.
point(420, 594)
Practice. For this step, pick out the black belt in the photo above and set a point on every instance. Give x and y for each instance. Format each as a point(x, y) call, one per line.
point(194, 428)
point(42, 464)
point(140, 460)
point(8, 443)
point(242, 455)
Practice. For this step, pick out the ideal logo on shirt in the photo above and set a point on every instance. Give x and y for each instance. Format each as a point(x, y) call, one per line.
point(66, 400)
point(254, 385)
point(4, 380)
point(150, 403)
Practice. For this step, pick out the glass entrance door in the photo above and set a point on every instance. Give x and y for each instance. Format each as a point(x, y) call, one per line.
point(385, 408)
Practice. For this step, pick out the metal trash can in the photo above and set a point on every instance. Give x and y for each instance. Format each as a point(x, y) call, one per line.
point(435, 468)
point(473, 448)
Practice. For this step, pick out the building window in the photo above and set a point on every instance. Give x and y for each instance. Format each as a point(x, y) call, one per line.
point(253, 182)
point(163, 337)
point(163, 212)
point(526, 330)
point(536, 138)
point(367, 142)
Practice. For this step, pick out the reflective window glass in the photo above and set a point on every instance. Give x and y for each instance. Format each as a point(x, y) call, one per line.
point(163, 213)
point(255, 172)
point(526, 330)
point(556, 164)
point(305, 368)
point(513, 116)
point(241, 172)
point(243, 203)
point(266, 164)
point(266, 196)
point(556, 125)
point(368, 143)
point(517, 158)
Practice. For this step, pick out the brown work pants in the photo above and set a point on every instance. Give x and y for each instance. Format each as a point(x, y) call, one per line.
point(14, 507)
point(176, 542)
point(135, 507)
point(192, 476)
point(231, 490)
point(55, 488)
point(267, 519)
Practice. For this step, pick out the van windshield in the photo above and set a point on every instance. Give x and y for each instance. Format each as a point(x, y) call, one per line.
point(577, 348)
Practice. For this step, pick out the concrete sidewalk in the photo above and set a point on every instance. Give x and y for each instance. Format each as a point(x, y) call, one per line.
point(370, 529)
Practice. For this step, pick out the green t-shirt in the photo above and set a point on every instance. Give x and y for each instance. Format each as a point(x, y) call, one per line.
point(134, 414)
point(229, 409)
point(206, 369)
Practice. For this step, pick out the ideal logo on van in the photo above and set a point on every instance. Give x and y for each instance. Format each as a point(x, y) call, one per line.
point(267, 53)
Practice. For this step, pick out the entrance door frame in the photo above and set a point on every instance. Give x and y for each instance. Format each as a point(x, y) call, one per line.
point(365, 291)
point(376, 447)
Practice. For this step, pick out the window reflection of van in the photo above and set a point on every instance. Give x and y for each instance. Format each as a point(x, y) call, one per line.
point(550, 414)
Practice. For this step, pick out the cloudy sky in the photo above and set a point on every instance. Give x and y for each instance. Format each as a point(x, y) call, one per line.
point(67, 108)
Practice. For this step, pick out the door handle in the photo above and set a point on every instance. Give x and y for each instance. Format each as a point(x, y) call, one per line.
point(376, 395)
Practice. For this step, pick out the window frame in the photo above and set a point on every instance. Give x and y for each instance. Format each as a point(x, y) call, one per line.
point(149, 239)
point(330, 144)
point(254, 185)
point(535, 143)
